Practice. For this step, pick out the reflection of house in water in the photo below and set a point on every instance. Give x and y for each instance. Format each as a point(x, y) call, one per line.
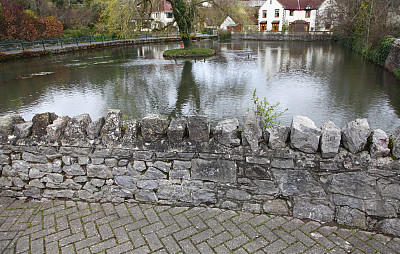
point(274, 58)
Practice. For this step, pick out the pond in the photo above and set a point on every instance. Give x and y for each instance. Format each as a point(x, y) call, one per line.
point(320, 80)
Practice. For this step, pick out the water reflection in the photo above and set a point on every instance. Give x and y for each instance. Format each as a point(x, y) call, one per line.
point(188, 93)
point(319, 80)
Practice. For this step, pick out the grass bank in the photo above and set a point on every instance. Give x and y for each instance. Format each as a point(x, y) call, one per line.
point(377, 54)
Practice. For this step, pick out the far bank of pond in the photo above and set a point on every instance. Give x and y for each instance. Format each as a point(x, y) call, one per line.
point(320, 80)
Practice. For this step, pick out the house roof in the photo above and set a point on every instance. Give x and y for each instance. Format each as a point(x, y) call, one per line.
point(301, 4)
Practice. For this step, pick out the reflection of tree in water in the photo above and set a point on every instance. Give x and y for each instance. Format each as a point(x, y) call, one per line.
point(187, 90)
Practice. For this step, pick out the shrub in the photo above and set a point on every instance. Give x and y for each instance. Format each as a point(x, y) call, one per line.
point(267, 111)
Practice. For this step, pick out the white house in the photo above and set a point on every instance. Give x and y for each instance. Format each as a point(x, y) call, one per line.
point(161, 15)
point(294, 15)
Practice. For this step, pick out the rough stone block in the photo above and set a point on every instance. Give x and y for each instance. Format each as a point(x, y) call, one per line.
point(276, 136)
point(40, 122)
point(74, 170)
point(252, 132)
point(4, 159)
point(389, 226)
point(55, 130)
point(94, 128)
point(277, 206)
point(266, 187)
point(124, 181)
point(29, 157)
point(174, 193)
point(395, 142)
point(132, 132)
point(226, 132)
point(7, 124)
point(147, 184)
point(351, 217)
point(153, 173)
point(199, 128)
point(146, 196)
point(315, 210)
point(238, 194)
point(217, 171)
point(298, 183)
point(330, 140)
point(353, 184)
point(23, 130)
point(229, 205)
point(112, 128)
point(304, 135)
point(153, 127)
point(77, 126)
point(99, 171)
point(177, 130)
point(379, 144)
point(120, 192)
point(355, 135)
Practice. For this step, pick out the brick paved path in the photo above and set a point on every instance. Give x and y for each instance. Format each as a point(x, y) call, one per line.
point(69, 227)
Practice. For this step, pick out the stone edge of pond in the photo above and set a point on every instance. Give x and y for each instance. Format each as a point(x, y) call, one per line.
point(72, 48)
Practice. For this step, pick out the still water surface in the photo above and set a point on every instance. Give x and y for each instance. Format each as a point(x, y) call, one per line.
point(320, 80)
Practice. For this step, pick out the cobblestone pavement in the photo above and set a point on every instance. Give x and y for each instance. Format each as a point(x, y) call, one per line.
point(78, 227)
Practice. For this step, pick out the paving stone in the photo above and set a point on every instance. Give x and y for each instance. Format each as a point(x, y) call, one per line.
point(204, 248)
point(170, 244)
point(137, 238)
point(87, 242)
point(199, 224)
point(188, 247)
point(37, 246)
point(267, 233)
point(295, 248)
point(305, 239)
point(52, 248)
point(67, 249)
point(103, 245)
point(249, 230)
point(218, 239)
point(57, 236)
point(222, 249)
point(123, 248)
point(316, 249)
point(360, 244)
point(237, 242)
point(255, 245)
point(275, 247)
point(72, 239)
point(79, 227)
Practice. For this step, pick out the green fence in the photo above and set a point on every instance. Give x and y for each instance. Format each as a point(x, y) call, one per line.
point(43, 44)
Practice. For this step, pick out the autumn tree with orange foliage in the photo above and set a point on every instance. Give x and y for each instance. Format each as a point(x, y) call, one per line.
point(19, 24)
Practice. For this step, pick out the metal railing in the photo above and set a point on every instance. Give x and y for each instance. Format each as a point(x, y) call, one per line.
point(284, 32)
point(44, 44)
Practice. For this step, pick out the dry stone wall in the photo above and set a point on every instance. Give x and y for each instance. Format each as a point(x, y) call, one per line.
point(348, 175)
point(278, 36)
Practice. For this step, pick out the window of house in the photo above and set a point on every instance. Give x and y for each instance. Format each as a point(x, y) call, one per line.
point(275, 26)
point(169, 15)
point(308, 13)
point(291, 13)
point(264, 15)
point(276, 13)
point(263, 26)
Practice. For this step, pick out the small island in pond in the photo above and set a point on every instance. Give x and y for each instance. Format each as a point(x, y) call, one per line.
point(188, 53)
